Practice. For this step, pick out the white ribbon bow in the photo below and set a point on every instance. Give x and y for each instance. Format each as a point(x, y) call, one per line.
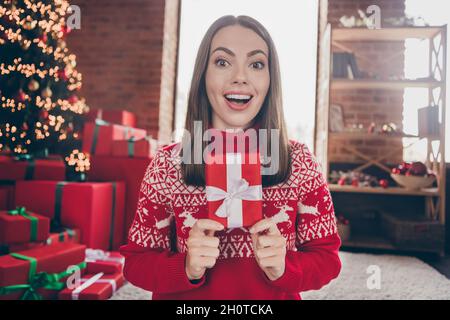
point(239, 189)
point(87, 282)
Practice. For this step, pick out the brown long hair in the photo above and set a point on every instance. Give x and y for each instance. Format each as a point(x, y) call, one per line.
point(269, 117)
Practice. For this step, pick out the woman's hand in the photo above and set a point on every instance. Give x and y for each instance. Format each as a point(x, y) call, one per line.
point(269, 248)
point(202, 247)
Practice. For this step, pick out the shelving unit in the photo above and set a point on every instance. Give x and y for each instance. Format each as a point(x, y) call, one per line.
point(436, 80)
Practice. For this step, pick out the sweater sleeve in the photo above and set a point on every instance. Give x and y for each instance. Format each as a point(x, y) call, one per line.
point(149, 261)
point(315, 260)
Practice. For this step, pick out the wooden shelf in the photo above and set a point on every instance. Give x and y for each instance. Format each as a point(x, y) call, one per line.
point(375, 242)
point(346, 84)
point(381, 243)
point(379, 190)
point(384, 34)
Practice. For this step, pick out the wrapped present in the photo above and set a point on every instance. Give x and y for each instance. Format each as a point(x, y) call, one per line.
point(96, 208)
point(234, 188)
point(39, 273)
point(130, 170)
point(6, 197)
point(103, 261)
point(98, 136)
point(98, 286)
point(66, 235)
point(27, 168)
point(143, 148)
point(121, 117)
point(21, 226)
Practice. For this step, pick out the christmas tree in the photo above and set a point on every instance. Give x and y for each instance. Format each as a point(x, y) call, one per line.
point(40, 108)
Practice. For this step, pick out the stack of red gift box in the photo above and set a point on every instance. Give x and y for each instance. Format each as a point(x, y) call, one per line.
point(46, 223)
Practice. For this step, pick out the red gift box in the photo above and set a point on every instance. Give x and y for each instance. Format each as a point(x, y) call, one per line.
point(20, 226)
point(130, 170)
point(143, 148)
point(52, 168)
point(96, 208)
point(98, 137)
point(234, 188)
point(66, 236)
point(19, 270)
point(121, 117)
point(6, 197)
point(94, 287)
point(104, 261)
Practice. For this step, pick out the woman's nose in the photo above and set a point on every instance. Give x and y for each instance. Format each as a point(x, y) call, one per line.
point(239, 75)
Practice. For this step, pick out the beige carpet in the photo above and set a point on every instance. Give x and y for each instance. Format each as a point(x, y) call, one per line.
point(401, 277)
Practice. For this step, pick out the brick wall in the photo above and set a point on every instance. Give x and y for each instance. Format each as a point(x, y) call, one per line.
point(364, 106)
point(126, 52)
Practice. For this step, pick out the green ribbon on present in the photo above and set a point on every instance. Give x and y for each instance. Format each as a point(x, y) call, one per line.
point(131, 144)
point(56, 221)
point(113, 216)
point(31, 165)
point(21, 211)
point(98, 124)
point(50, 281)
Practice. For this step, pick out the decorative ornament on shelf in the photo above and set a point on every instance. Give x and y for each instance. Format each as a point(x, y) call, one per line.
point(78, 165)
point(413, 175)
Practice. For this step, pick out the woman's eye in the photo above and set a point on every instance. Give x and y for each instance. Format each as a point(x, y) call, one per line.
point(258, 65)
point(220, 62)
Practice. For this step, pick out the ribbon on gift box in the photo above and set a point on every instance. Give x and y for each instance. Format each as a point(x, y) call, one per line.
point(132, 142)
point(62, 235)
point(56, 221)
point(50, 281)
point(31, 165)
point(128, 132)
point(93, 255)
point(21, 211)
point(86, 283)
point(238, 189)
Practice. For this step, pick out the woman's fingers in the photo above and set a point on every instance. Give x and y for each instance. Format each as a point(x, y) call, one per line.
point(205, 227)
point(205, 241)
point(268, 241)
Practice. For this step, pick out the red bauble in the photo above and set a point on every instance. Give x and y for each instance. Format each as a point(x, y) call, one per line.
point(384, 183)
point(418, 169)
point(21, 96)
point(43, 38)
point(62, 74)
point(43, 114)
point(395, 171)
point(66, 30)
point(355, 182)
point(341, 182)
point(72, 99)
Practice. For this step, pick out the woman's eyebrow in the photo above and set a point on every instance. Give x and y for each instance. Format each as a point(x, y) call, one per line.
point(231, 53)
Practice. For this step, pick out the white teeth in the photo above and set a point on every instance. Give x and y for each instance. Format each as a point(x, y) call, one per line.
point(238, 96)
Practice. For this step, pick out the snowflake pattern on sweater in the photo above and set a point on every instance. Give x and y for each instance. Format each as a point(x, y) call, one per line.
point(301, 206)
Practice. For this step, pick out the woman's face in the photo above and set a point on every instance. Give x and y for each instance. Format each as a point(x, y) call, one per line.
point(237, 77)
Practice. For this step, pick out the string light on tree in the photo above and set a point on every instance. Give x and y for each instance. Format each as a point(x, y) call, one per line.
point(40, 104)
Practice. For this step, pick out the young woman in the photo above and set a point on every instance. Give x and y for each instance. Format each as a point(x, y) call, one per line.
point(174, 250)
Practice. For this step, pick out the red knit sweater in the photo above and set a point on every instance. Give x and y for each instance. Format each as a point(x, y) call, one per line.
point(155, 257)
